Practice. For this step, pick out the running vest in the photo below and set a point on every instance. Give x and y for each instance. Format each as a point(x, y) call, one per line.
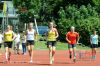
point(94, 39)
point(51, 36)
point(8, 36)
point(30, 34)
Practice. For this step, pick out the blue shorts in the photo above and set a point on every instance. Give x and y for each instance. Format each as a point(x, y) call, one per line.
point(71, 45)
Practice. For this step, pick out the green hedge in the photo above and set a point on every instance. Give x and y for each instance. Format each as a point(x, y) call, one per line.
point(84, 18)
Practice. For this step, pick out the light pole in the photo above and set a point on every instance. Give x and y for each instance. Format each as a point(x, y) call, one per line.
point(36, 24)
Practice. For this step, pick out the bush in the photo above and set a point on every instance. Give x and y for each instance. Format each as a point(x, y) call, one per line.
point(85, 19)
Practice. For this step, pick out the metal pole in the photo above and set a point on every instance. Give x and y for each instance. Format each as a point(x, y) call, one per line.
point(36, 26)
point(3, 24)
point(7, 18)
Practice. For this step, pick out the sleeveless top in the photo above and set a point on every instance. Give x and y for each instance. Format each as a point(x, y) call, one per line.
point(94, 39)
point(8, 36)
point(51, 35)
point(30, 35)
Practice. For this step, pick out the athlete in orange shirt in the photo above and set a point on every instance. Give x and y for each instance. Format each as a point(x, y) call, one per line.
point(72, 37)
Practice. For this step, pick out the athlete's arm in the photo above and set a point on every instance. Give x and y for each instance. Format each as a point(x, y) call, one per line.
point(26, 32)
point(57, 35)
point(35, 35)
point(91, 39)
point(13, 35)
point(2, 38)
point(46, 35)
point(67, 38)
point(97, 39)
point(78, 37)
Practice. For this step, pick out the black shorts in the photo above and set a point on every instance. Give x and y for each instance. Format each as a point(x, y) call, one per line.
point(8, 44)
point(0, 45)
point(94, 45)
point(51, 43)
point(71, 45)
point(30, 42)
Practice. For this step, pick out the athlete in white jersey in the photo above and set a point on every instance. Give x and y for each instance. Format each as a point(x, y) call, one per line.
point(30, 37)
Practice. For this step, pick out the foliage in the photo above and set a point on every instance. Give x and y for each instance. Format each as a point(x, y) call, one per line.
point(83, 14)
point(85, 19)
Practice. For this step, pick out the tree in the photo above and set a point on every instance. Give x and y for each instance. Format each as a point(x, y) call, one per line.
point(85, 19)
point(83, 14)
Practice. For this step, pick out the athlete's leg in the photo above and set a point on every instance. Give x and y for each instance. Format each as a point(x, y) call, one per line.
point(31, 52)
point(53, 52)
point(18, 48)
point(6, 53)
point(50, 53)
point(9, 50)
point(15, 49)
point(70, 50)
point(28, 47)
point(92, 50)
point(9, 53)
point(22, 48)
point(74, 53)
point(94, 53)
point(0, 49)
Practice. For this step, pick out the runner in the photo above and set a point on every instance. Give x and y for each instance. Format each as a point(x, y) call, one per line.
point(8, 38)
point(72, 37)
point(94, 44)
point(30, 37)
point(52, 35)
point(1, 41)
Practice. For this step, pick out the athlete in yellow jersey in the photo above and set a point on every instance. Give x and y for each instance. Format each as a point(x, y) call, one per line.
point(8, 38)
point(52, 35)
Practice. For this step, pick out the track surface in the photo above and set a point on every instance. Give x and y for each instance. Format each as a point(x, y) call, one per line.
point(41, 58)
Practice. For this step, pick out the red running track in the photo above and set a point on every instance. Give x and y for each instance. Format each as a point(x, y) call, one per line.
point(41, 58)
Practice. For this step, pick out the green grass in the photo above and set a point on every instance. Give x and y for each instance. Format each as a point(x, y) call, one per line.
point(41, 45)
